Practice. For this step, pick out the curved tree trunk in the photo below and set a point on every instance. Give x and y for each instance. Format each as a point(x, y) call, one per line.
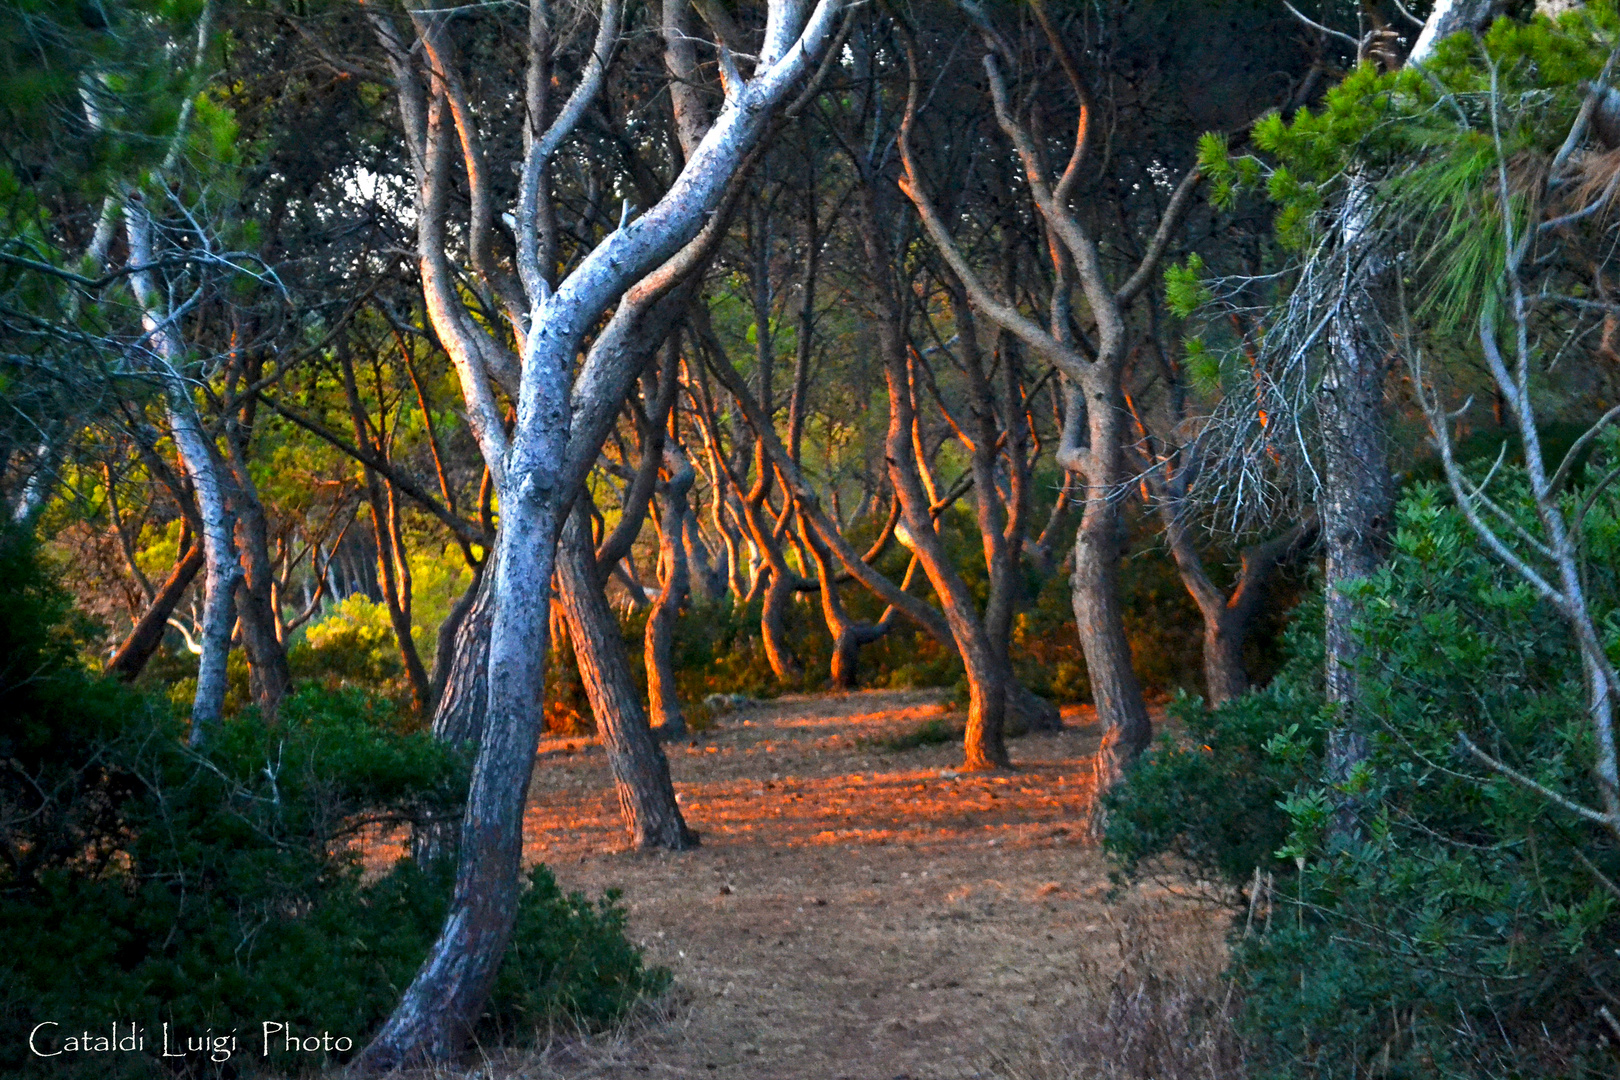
point(848, 634)
point(640, 772)
point(147, 635)
point(1099, 611)
point(436, 1015)
point(1227, 617)
point(779, 596)
point(203, 468)
point(540, 463)
point(663, 701)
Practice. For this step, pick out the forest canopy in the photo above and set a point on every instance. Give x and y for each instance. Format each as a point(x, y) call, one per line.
point(386, 387)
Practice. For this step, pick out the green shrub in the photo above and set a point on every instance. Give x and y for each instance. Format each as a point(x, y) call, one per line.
point(1462, 927)
point(145, 883)
point(569, 962)
point(1211, 795)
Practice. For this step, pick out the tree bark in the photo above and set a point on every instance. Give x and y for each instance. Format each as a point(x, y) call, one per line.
point(1098, 606)
point(460, 654)
point(541, 463)
point(1358, 497)
point(203, 468)
point(437, 1013)
point(1227, 617)
point(1357, 501)
point(640, 772)
point(269, 677)
point(663, 701)
point(460, 690)
point(147, 635)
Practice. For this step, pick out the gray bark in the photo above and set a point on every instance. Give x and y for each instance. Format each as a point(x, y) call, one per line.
point(203, 468)
point(1357, 501)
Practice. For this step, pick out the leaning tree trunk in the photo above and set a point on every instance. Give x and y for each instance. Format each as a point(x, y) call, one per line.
point(147, 635)
point(203, 468)
point(1099, 610)
point(1227, 617)
point(435, 1017)
point(663, 700)
point(848, 634)
point(541, 461)
point(640, 772)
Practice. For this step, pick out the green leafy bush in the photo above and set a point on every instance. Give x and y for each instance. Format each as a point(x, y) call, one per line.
point(1464, 926)
point(569, 961)
point(218, 890)
point(1211, 793)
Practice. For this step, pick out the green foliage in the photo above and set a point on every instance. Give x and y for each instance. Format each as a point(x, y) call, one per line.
point(569, 961)
point(1185, 290)
point(1210, 794)
point(156, 884)
point(1461, 927)
point(354, 643)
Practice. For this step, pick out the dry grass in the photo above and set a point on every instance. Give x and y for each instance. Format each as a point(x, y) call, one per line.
point(1161, 1014)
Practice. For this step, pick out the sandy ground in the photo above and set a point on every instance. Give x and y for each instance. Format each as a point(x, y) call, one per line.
point(854, 912)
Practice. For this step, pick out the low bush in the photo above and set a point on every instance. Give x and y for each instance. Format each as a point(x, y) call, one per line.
point(1209, 791)
point(146, 883)
point(1433, 919)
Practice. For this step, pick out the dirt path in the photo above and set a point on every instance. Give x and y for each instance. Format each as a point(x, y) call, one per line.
point(854, 912)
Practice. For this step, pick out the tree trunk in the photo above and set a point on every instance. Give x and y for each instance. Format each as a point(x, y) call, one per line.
point(436, 1015)
point(1358, 497)
point(541, 462)
point(663, 701)
point(848, 635)
point(202, 466)
point(1099, 612)
point(773, 629)
point(1099, 616)
point(268, 674)
point(147, 635)
point(708, 578)
point(1358, 494)
point(640, 772)
point(460, 653)
point(1225, 676)
point(460, 695)
point(1227, 617)
point(1027, 711)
